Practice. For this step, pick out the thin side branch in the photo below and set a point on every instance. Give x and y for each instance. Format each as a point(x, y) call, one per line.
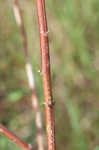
point(45, 71)
point(37, 114)
point(4, 131)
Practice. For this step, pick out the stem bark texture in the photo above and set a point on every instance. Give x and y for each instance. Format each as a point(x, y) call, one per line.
point(12, 137)
point(45, 71)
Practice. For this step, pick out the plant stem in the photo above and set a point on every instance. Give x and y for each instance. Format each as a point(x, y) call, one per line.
point(45, 71)
point(4, 131)
point(37, 114)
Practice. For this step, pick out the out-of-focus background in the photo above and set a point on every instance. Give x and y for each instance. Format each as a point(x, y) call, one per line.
point(74, 48)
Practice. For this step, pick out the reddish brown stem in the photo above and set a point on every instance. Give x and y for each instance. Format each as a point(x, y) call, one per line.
point(37, 114)
point(45, 70)
point(4, 131)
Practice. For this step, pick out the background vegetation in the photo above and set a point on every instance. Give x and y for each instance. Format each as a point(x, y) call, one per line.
point(74, 48)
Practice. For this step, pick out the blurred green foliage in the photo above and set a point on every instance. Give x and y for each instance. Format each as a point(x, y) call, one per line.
point(96, 148)
point(74, 48)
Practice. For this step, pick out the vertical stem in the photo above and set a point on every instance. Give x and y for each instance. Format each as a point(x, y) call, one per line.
point(37, 114)
point(4, 131)
point(45, 70)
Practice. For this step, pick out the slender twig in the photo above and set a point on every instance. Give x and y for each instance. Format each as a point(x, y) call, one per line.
point(45, 71)
point(37, 114)
point(4, 131)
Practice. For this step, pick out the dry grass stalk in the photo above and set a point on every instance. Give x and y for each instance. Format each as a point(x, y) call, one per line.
point(37, 114)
